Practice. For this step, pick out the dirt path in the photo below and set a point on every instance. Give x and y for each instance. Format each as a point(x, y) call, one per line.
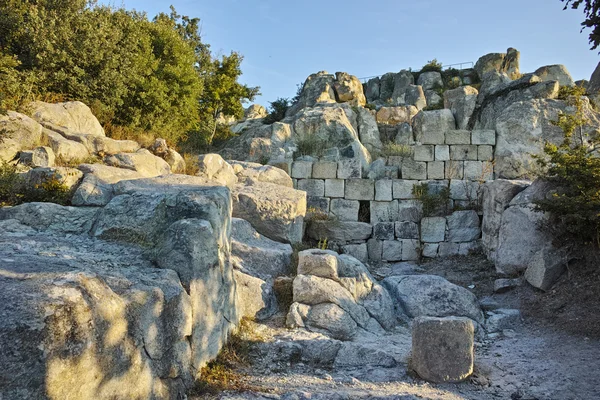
point(538, 360)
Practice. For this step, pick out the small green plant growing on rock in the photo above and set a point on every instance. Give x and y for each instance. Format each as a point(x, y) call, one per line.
point(311, 145)
point(10, 183)
point(397, 150)
point(277, 110)
point(433, 203)
point(574, 168)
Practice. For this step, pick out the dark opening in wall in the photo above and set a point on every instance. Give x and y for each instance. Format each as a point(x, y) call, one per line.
point(364, 212)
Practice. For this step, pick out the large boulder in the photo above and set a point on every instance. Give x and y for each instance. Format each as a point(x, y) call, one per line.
point(555, 73)
point(249, 172)
point(368, 130)
point(348, 88)
point(65, 150)
point(443, 348)
point(430, 80)
point(95, 144)
point(522, 129)
point(276, 212)
point(214, 167)
point(432, 296)
point(255, 111)
point(318, 88)
point(496, 198)
point(19, 132)
point(461, 101)
point(255, 297)
point(402, 81)
point(430, 127)
point(73, 115)
point(143, 162)
point(96, 188)
point(499, 62)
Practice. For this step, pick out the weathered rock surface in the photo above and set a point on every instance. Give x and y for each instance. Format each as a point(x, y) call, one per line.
point(432, 296)
point(555, 73)
point(339, 231)
point(349, 89)
point(19, 133)
point(461, 101)
point(442, 349)
point(318, 88)
point(274, 211)
point(143, 162)
point(248, 171)
point(214, 167)
point(73, 115)
point(96, 188)
point(64, 149)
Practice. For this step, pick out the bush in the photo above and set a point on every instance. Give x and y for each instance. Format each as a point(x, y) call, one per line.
point(277, 110)
point(574, 168)
point(14, 191)
point(432, 66)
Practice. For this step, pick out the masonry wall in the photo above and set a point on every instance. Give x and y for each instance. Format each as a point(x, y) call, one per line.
point(459, 160)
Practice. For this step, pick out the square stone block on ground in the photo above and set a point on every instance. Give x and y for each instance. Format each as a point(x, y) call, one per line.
point(462, 152)
point(454, 169)
point(312, 187)
point(442, 152)
point(384, 211)
point(344, 210)
point(360, 189)
point(436, 170)
point(383, 231)
point(349, 168)
point(414, 170)
point(433, 229)
point(424, 152)
point(335, 188)
point(302, 169)
point(383, 190)
point(458, 137)
point(392, 250)
point(483, 136)
point(325, 170)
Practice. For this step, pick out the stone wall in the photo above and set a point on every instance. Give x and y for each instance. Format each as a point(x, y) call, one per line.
point(459, 160)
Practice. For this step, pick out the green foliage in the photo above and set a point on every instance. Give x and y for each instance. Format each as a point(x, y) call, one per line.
point(10, 183)
point(277, 110)
point(566, 92)
point(371, 106)
point(433, 203)
point(591, 10)
point(14, 191)
point(432, 66)
point(296, 98)
point(574, 168)
point(146, 75)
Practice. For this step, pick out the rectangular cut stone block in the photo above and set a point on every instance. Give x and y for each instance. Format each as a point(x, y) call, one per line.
point(334, 188)
point(435, 170)
point(433, 229)
point(325, 170)
point(384, 211)
point(430, 250)
point(442, 152)
point(312, 187)
point(424, 152)
point(436, 186)
point(383, 231)
point(483, 136)
point(319, 203)
point(344, 210)
point(375, 249)
point(414, 170)
point(349, 168)
point(383, 190)
point(302, 169)
point(407, 230)
point(485, 153)
point(454, 169)
point(392, 250)
point(395, 161)
point(458, 137)
point(358, 251)
point(463, 152)
point(410, 210)
point(391, 172)
point(464, 190)
point(360, 189)
point(478, 170)
point(402, 189)
point(448, 249)
point(410, 250)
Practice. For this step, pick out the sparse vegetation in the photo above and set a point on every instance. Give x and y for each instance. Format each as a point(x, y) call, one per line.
point(311, 145)
point(433, 203)
point(14, 190)
point(191, 164)
point(395, 149)
point(574, 168)
point(371, 106)
point(75, 162)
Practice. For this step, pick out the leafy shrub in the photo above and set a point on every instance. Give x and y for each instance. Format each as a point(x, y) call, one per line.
point(433, 203)
point(277, 110)
point(14, 190)
point(574, 168)
point(432, 66)
point(10, 184)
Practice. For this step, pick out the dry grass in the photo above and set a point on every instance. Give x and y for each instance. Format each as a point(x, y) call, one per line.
point(220, 374)
point(144, 138)
point(75, 162)
point(191, 164)
point(394, 149)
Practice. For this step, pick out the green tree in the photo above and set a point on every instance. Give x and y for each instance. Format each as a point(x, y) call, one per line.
point(574, 168)
point(591, 9)
point(223, 94)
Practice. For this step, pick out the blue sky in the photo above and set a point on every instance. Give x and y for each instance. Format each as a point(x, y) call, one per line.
point(285, 41)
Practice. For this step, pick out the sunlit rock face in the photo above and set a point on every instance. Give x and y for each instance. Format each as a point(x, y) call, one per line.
point(86, 313)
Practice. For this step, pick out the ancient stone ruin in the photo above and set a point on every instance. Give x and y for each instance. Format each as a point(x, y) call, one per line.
point(132, 289)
